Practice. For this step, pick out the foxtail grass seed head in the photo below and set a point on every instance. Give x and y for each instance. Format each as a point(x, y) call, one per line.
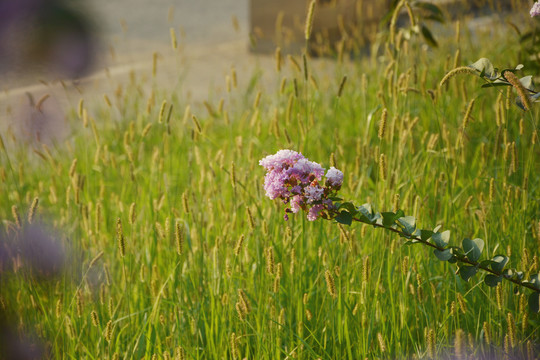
point(462, 303)
point(487, 332)
point(179, 237)
point(180, 354)
point(80, 107)
point(293, 261)
point(107, 100)
point(459, 344)
point(79, 303)
point(454, 72)
point(70, 330)
point(498, 296)
point(257, 100)
point(468, 112)
point(185, 203)
point(295, 64)
point(241, 311)
point(251, 220)
point(162, 111)
point(109, 331)
point(120, 237)
point(342, 86)
point(238, 246)
point(366, 269)
point(154, 64)
point(309, 19)
point(330, 284)
point(95, 259)
point(244, 301)
point(275, 286)
point(32, 211)
point(333, 159)
point(491, 190)
point(269, 257)
point(382, 345)
point(382, 124)
point(279, 59)
point(95, 318)
point(174, 43)
point(405, 265)
point(382, 167)
point(511, 329)
point(431, 343)
point(396, 203)
point(514, 158)
point(16, 216)
point(306, 69)
point(233, 175)
point(520, 89)
point(393, 22)
point(72, 168)
point(282, 85)
point(132, 213)
point(197, 124)
point(234, 347)
point(234, 79)
point(524, 321)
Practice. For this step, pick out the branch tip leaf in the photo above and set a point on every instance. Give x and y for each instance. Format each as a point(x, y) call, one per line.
point(441, 239)
point(444, 255)
point(492, 280)
point(473, 248)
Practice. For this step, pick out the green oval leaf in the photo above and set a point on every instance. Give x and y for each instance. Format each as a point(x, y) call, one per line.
point(344, 217)
point(444, 255)
point(441, 239)
point(388, 218)
point(492, 280)
point(534, 302)
point(349, 206)
point(498, 263)
point(509, 273)
point(535, 280)
point(473, 248)
point(426, 234)
point(434, 12)
point(367, 213)
point(466, 272)
point(428, 36)
point(408, 224)
point(485, 67)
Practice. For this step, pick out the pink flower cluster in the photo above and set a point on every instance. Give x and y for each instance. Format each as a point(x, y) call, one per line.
point(535, 10)
point(297, 181)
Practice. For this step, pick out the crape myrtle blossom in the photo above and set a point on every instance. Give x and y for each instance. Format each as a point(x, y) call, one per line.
point(535, 10)
point(334, 177)
point(298, 182)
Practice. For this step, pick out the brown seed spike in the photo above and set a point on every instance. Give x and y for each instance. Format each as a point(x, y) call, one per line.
point(32, 210)
point(520, 89)
point(330, 284)
point(309, 19)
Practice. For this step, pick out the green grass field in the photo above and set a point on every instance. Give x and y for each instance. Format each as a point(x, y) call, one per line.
point(177, 254)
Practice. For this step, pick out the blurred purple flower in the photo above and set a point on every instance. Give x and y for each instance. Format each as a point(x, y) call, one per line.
point(43, 122)
point(44, 34)
point(18, 347)
point(42, 250)
point(535, 10)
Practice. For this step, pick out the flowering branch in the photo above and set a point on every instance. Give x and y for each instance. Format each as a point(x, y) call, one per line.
point(299, 183)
